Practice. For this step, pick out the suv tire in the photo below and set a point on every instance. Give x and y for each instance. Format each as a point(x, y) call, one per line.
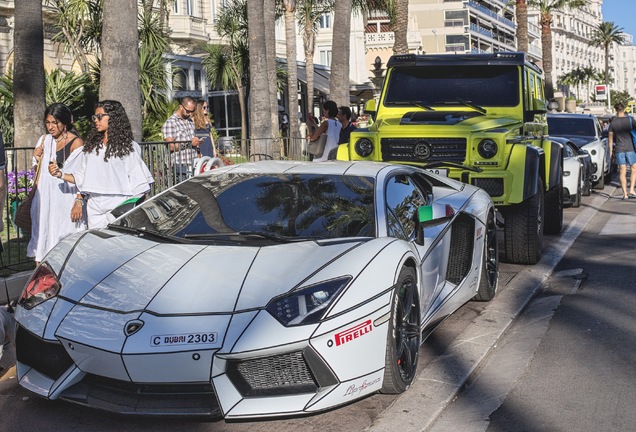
point(523, 229)
point(553, 221)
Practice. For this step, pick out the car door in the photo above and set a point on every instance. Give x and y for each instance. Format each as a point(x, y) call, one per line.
point(403, 199)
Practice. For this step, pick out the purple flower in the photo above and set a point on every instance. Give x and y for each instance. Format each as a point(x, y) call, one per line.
point(19, 184)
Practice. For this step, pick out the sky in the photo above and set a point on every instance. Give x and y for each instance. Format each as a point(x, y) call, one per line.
point(621, 12)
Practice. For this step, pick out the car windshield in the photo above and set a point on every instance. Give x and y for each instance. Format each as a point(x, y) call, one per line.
point(485, 86)
point(281, 206)
point(571, 126)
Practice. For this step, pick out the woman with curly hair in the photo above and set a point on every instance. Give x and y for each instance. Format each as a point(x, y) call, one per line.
point(111, 169)
point(202, 129)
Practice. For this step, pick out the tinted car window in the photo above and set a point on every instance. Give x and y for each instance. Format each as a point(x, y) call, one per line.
point(325, 206)
point(403, 198)
point(571, 126)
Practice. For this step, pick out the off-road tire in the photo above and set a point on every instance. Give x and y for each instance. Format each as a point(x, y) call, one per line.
point(523, 229)
point(404, 336)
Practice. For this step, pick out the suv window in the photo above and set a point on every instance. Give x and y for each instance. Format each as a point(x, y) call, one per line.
point(488, 86)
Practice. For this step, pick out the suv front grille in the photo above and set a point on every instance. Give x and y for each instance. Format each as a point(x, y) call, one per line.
point(424, 149)
point(493, 186)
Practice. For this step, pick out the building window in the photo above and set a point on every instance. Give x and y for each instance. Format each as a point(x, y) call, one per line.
point(175, 7)
point(325, 57)
point(325, 21)
point(180, 79)
point(458, 18)
point(190, 8)
point(456, 43)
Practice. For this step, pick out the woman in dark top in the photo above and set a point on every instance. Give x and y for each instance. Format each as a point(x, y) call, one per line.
point(202, 129)
point(57, 208)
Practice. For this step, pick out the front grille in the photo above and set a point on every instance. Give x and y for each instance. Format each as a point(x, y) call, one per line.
point(424, 150)
point(493, 186)
point(461, 248)
point(46, 357)
point(125, 397)
point(270, 376)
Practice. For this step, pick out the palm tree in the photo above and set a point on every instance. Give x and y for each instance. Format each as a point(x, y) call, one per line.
point(521, 10)
point(340, 53)
point(546, 9)
point(227, 65)
point(309, 13)
point(590, 74)
point(260, 107)
point(269, 23)
point(400, 27)
point(28, 82)
point(604, 35)
point(292, 74)
point(119, 77)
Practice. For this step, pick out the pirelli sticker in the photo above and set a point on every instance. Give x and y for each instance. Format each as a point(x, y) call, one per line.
point(351, 333)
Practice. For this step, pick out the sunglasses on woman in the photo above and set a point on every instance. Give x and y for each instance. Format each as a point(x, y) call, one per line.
point(98, 117)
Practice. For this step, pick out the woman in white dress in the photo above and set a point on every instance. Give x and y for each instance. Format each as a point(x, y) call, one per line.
point(331, 127)
point(56, 210)
point(110, 169)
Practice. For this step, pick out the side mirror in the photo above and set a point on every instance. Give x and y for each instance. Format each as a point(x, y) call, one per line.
point(370, 107)
point(539, 106)
point(432, 215)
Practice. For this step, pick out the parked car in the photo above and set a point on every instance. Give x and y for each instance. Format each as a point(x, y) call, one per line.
point(585, 131)
point(577, 172)
point(263, 289)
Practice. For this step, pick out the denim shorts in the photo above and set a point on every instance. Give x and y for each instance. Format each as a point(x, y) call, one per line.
point(626, 158)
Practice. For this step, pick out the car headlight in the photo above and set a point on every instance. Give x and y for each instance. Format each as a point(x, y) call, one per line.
point(307, 305)
point(42, 286)
point(487, 148)
point(364, 147)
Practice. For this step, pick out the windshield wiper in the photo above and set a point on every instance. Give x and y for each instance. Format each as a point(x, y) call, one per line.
point(142, 232)
point(269, 236)
point(416, 103)
point(469, 104)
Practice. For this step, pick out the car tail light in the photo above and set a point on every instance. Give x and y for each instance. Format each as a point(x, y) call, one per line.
point(42, 286)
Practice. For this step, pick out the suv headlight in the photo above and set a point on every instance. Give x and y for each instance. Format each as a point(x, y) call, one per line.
point(307, 305)
point(42, 286)
point(487, 148)
point(364, 147)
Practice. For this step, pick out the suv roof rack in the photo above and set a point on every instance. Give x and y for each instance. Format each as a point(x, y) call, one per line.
point(498, 58)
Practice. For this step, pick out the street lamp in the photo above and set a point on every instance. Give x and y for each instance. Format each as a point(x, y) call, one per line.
point(436, 44)
point(377, 79)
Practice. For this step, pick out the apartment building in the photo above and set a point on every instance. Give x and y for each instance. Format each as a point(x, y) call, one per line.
point(624, 72)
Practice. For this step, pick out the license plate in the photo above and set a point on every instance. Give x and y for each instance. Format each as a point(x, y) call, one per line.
point(439, 171)
point(183, 339)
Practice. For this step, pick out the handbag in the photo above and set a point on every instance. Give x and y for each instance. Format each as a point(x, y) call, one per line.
point(23, 212)
point(317, 147)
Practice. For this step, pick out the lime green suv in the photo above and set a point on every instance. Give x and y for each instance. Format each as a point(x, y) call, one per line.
point(478, 118)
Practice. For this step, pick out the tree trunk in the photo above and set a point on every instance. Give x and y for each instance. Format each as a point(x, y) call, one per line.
point(28, 76)
point(310, 46)
point(292, 77)
point(269, 21)
point(546, 45)
point(522, 25)
point(260, 107)
point(340, 53)
point(400, 29)
point(120, 60)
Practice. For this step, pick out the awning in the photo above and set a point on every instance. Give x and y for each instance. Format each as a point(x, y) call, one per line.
point(321, 78)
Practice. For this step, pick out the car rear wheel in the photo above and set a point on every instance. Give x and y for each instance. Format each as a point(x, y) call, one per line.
point(576, 202)
point(404, 335)
point(490, 263)
point(523, 229)
point(553, 220)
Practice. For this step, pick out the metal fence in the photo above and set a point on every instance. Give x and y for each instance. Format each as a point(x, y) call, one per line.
point(166, 166)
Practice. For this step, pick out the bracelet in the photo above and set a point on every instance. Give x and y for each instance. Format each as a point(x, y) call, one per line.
point(61, 175)
point(80, 201)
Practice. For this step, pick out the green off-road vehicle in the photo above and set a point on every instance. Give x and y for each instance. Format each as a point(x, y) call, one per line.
point(478, 118)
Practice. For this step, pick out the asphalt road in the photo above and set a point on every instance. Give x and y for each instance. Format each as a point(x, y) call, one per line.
point(452, 354)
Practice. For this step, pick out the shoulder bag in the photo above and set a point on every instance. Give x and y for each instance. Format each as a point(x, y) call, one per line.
point(632, 131)
point(23, 212)
point(317, 147)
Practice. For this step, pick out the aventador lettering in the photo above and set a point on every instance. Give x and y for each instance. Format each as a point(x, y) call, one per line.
point(353, 333)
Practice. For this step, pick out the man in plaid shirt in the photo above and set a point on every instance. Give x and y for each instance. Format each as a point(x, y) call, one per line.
point(180, 127)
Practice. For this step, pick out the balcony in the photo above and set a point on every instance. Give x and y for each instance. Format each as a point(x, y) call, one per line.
point(190, 28)
point(481, 30)
point(534, 30)
point(484, 10)
point(387, 39)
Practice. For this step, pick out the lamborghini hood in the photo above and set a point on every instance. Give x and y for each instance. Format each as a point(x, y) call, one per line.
point(125, 274)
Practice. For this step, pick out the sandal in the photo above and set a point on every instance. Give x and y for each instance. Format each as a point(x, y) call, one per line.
point(631, 196)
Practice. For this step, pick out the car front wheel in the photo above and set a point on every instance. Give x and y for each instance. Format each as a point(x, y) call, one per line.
point(490, 263)
point(404, 335)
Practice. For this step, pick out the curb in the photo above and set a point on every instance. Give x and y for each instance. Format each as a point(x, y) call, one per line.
point(438, 383)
